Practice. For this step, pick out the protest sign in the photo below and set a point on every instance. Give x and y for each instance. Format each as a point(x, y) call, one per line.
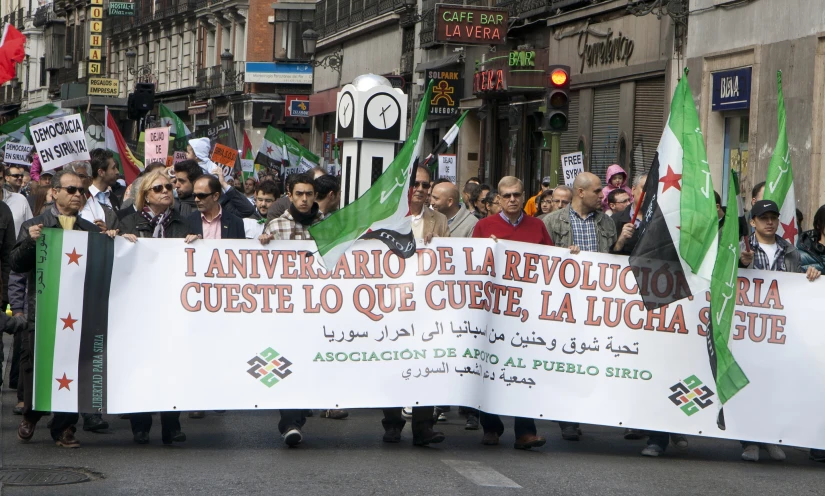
point(506, 327)
point(157, 144)
point(224, 155)
point(446, 167)
point(572, 165)
point(60, 141)
point(179, 157)
point(17, 153)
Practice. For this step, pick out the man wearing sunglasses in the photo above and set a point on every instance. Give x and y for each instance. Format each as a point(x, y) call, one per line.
point(514, 224)
point(231, 200)
point(15, 175)
point(211, 221)
point(69, 197)
point(17, 203)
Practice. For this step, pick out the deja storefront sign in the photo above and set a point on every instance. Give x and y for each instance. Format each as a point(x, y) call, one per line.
point(470, 25)
point(519, 71)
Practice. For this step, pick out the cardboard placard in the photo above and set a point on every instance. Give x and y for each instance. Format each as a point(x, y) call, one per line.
point(60, 141)
point(447, 167)
point(17, 153)
point(572, 164)
point(156, 147)
point(224, 155)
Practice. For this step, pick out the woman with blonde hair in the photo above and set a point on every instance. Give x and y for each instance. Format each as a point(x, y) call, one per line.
point(155, 218)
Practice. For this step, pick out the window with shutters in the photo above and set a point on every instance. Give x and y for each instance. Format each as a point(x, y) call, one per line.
point(648, 122)
point(605, 135)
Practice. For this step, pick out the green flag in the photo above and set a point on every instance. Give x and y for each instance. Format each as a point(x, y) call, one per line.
point(17, 129)
point(179, 129)
point(698, 216)
point(382, 211)
point(727, 373)
point(779, 186)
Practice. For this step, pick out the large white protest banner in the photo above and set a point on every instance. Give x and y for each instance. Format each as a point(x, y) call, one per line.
point(60, 141)
point(17, 153)
point(505, 327)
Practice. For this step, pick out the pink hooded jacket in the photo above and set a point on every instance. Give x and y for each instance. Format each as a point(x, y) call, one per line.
point(612, 171)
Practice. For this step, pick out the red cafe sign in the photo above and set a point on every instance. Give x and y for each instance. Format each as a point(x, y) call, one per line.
point(470, 25)
point(493, 80)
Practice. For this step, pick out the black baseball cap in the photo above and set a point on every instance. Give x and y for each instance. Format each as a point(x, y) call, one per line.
point(762, 207)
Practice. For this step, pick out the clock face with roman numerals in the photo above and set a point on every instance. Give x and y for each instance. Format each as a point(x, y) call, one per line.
point(382, 117)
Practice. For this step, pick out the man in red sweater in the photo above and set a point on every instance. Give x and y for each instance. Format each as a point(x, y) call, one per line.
point(512, 224)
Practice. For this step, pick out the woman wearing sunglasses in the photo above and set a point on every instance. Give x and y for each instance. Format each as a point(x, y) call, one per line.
point(155, 218)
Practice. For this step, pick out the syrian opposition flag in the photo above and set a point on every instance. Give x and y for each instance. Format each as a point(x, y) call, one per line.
point(129, 165)
point(12, 52)
point(179, 129)
point(270, 155)
point(70, 342)
point(446, 142)
point(728, 375)
point(779, 186)
point(17, 129)
point(382, 212)
point(677, 247)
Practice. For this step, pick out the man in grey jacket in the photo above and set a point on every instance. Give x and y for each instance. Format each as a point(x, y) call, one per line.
point(445, 199)
point(582, 227)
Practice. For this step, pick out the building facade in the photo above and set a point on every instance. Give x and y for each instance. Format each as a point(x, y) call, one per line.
point(734, 53)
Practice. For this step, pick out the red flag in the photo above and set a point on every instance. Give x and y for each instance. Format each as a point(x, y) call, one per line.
point(12, 51)
point(247, 146)
point(129, 165)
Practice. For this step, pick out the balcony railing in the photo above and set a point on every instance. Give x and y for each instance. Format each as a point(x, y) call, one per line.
point(214, 81)
point(331, 19)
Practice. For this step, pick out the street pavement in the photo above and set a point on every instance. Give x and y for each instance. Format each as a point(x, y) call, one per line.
point(242, 453)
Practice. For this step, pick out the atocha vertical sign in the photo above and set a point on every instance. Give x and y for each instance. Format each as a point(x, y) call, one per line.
point(470, 25)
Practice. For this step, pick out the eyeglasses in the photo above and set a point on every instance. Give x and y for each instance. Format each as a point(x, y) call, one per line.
point(72, 190)
point(16, 176)
point(160, 187)
point(203, 196)
point(422, 184)
point(515, 196)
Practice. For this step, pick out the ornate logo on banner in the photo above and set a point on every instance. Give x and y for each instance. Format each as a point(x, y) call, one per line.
point(691, 395)
point(268, 367)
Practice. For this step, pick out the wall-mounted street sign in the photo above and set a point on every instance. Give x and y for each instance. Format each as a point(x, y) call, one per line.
point(122, 9)
point(103, 87)
point(470, 25)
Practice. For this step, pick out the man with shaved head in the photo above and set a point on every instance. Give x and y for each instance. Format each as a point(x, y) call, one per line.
point(445, 199)
point(582, 226)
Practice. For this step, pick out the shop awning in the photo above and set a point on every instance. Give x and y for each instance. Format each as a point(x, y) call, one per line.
point(323, 102)
point(443, 62)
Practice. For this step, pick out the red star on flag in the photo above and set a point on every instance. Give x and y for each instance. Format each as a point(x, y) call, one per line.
point(64, 382)
point(68, 322)
point(789, 231)
point(671, 180)
point(269, 150)
point(74, 257)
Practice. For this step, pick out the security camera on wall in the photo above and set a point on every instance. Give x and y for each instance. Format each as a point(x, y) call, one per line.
point(371, 121)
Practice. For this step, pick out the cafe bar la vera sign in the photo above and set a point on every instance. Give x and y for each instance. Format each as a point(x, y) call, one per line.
point(470, 25)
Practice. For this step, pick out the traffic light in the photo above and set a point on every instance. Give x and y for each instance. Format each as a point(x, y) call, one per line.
point(558, 99)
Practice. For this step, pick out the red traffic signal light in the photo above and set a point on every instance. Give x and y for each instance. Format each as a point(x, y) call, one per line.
point(559, 77)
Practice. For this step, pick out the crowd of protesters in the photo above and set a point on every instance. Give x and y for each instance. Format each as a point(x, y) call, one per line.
point(193, 200)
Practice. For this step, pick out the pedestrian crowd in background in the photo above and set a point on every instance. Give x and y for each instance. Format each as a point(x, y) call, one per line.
point(193, 200)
